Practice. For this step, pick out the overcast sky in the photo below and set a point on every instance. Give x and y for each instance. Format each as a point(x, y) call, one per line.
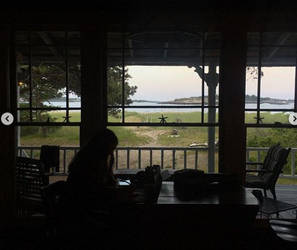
point(163, 83)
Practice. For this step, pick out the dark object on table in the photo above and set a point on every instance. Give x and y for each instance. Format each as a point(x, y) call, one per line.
point(150, 181)
point(50, 156)
point(30, 180)
point(190, 184)
point(267, 177)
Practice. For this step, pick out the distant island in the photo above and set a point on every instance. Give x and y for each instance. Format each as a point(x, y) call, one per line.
point(63, 99)
point(188, 100)
point(198, 100)
point(269, 100)
point(146, 101)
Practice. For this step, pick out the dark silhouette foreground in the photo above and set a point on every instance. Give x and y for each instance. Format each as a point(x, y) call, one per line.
point(90, 207)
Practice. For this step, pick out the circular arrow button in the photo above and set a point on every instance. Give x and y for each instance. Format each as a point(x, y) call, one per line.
point(7, 118)
point(293, 118)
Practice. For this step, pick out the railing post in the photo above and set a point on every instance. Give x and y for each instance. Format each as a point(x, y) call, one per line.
point(173, 158)
point(128, 158)
point(64, 160)
point(258, 155)
point(247, 155)
point(196, 158)
point(162, 158)
point(151, 157)
point(139, 158)
point(185, 159)
point(293, 162)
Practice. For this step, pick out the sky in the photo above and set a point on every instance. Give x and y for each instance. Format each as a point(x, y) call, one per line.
point(162, 83)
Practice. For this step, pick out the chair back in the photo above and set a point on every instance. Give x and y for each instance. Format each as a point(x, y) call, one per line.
point(50, 156)
point(30, 180)
point(269, 157)
point(276, 164)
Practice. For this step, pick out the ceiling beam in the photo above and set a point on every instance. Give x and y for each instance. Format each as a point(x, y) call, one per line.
point(130, 45)
point(280, 41)
point(48, 41)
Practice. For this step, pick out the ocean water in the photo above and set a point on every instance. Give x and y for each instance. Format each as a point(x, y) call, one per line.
point(166, 110)
point(63, 104)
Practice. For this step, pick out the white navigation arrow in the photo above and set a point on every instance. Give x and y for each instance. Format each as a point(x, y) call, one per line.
point(293, 118)
point(7, 118)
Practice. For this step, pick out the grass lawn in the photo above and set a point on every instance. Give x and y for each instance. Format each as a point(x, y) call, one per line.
point(134, 136)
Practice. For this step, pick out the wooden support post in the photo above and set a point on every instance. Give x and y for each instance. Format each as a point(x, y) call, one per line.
point(7, 133)
point(93, 89)
point(232, 136)
point(212, 80)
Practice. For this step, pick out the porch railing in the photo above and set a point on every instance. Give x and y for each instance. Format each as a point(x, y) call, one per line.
point(166, 157)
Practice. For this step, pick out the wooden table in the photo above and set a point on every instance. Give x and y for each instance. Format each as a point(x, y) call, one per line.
point(239, 206)
point(224, 216)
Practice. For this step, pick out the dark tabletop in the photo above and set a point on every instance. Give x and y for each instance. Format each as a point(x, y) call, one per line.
point(223, 211)
point(240, 197)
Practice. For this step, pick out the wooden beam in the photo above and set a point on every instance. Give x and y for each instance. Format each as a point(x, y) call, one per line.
point(48, 41)
point(280, 41)
point(7, 133)
point(130, 44)
point(93, 88)
point(232, 102)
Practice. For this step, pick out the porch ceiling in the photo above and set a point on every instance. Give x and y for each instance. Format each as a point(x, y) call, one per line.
point(163, 48)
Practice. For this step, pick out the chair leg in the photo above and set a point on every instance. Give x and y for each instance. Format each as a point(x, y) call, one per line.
point(272, 190)
point(265, 193)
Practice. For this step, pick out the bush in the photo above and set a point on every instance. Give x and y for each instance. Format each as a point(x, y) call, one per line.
point(34, 130)
point(29, 130)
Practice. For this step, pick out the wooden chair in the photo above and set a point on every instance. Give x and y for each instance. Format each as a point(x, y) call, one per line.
point(268, 206)
point(268, 175)
point(30, 180)
point(264, 165)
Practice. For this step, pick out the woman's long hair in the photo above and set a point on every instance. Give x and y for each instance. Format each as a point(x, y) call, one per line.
point(93, 157)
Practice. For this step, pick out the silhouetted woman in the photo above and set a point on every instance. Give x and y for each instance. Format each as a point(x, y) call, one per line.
point(90, 172)
point(92, 190)
point(92, 197)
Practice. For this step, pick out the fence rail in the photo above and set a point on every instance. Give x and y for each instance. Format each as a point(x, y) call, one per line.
point(166, 157)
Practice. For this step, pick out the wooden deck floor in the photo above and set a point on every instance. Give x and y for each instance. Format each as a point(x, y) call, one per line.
point(287, 193)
